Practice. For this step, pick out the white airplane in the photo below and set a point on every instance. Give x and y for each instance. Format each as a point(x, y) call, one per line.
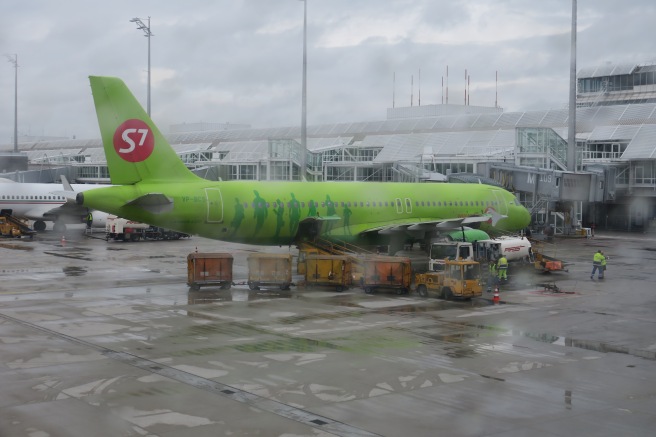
point(47, 202)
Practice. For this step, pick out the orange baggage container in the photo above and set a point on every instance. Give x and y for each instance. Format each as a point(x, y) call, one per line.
point(333, 270)
point(386, 272)
point(205, 269)
point(269, 270)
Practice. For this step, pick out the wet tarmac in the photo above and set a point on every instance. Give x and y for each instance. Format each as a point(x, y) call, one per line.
point(106, 339)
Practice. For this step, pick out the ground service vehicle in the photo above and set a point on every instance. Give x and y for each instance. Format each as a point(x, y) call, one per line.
point(513, 248)
point(448, 250)
point(386, 272)
point(269, 269)
point(207, 269)
point(118, 228)
point(11, 226)
point(459, 278)
point(331, 270)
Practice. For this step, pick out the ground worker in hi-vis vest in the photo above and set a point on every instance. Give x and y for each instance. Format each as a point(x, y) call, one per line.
point(492, 273)
point(598, 262)
point(502, 265)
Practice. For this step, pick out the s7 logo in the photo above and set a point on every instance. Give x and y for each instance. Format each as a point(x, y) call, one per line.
point(134, 140)
point(126, 137)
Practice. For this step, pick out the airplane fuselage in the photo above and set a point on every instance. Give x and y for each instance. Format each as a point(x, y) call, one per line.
point(272, 212)
point(43, 202)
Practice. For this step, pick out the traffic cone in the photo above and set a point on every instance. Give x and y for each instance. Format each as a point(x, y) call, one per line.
point(496, 299)
point(63, 241)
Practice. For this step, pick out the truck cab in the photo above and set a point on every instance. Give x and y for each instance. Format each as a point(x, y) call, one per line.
point(448, 250)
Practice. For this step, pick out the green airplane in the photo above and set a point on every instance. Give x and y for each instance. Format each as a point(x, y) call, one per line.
point(151, 184)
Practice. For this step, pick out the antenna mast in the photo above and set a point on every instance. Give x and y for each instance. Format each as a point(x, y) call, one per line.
point(412, 88)
point(393, 88)
point(447, 84)
point(419, 88)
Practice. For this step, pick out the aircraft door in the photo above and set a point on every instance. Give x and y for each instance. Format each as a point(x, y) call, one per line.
point(408, 205)
point(399, 205)
point(502, 206)
point(214, 205)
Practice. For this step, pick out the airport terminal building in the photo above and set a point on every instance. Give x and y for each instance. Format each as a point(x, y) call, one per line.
point(525, 152)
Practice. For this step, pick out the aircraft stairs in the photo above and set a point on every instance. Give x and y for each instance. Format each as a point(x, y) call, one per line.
point(327, 247)
point(321, 246)
point(16, 223)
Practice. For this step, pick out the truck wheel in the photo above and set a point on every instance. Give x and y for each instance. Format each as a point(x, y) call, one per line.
point(194, 287)
point(253, 285)
point(339, 288)
point(368, 290)
point(447, 294)
point(284, 287)
point(422, 290)
point(225, 286)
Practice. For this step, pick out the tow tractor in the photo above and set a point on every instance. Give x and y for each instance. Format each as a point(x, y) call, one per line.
point(459, 278)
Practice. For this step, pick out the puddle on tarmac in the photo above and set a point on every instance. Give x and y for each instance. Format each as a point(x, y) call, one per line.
point(286, 345)
point(15, 246)
point(73, 254)
point(74, 271)
point(215, 294)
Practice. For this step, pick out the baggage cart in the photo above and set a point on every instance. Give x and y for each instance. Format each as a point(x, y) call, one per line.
point(269, 270)
point(386, 272)
point(209, 269)
point(331, 270)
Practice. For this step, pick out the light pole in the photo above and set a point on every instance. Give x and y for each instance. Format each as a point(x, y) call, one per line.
point(571, 125)
point(147, 34)
point(304, 97)
point(14, 61)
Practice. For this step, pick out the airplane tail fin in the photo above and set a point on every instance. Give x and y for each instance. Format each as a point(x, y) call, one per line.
point(135, 148)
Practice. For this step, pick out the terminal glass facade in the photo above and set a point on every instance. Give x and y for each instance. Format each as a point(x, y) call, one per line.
point(541, 147)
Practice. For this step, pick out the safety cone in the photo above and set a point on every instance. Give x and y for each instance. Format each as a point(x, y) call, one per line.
point(63, 241)
point(496, 299)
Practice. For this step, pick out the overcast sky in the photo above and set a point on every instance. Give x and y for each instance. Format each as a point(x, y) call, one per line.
point(240, 61)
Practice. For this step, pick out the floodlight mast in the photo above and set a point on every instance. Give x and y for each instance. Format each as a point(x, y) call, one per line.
point(304, 98)
point(14, 60)
point(147, 34)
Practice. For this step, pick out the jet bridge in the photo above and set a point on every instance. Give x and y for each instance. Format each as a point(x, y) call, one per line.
point(547, 193)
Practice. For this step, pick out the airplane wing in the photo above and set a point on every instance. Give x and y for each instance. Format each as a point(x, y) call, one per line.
point(48, 212)
point(424, 225)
